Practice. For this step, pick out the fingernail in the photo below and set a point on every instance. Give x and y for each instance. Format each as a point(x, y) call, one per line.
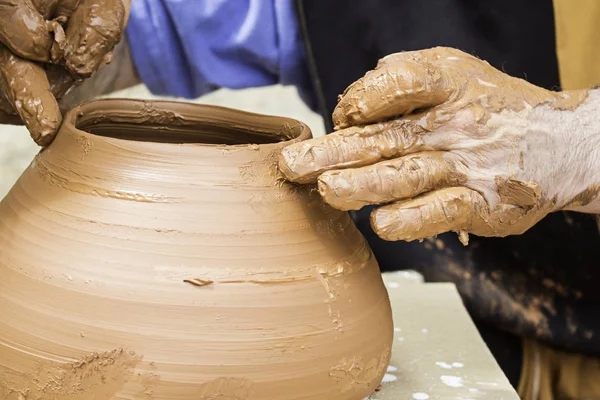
point(326, 183)
point(297, 163)
point(395, 224)
point(340, 121)
point(288, 163)
point(383, 222)
point(335, 189)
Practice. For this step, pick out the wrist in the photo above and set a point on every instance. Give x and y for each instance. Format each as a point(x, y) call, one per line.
point(576, 155)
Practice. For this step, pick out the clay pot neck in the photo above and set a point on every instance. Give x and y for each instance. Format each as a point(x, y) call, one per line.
point(181, 123)
point(115, 146)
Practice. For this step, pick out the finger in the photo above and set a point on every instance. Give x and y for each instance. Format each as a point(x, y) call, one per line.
point(356, 147)
point(398, 86)
point(24, 30)
point(446, 210)
point(387, 181)
point(27, 88)
point(93, 30)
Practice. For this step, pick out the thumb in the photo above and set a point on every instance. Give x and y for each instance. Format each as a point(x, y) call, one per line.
point(26, 87)
point(24, 30)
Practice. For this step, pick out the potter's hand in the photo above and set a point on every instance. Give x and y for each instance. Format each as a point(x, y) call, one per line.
point(463, 147)
point(46, 47)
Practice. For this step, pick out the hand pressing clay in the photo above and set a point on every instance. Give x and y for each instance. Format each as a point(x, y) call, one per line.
point(154, 251)
point(47, 47)
point(445, 143)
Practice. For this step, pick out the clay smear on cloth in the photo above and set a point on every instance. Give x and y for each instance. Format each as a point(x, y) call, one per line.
point(101, 375)
point(168, 232)
point(49, 46)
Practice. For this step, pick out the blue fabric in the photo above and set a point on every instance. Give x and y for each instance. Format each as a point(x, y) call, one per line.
point(187, 48)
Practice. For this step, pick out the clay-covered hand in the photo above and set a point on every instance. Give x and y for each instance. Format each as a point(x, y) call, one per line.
point(48, 46)
point(448, 143)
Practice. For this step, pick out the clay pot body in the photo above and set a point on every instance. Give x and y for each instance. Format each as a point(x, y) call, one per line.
point(161, 256)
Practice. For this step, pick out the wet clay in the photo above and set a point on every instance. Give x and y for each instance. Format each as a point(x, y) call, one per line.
point(26, 85)
point(76, 33)
point(70, 39)
point(452, 143)
point(161, 236)
point(25, 29)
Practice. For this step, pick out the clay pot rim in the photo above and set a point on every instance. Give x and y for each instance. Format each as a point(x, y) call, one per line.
point(140, 116)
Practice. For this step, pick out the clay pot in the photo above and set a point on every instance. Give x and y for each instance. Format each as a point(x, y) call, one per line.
point(152, 252)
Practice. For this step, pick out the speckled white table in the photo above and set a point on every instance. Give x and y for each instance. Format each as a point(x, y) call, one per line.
point(437, 351)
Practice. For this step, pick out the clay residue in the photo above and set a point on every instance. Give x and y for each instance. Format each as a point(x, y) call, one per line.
point(584, 198)
point(514, 191)
point(199, 282)
point(77, 183)
point(353, 372)
point(102, 374)
point(525, 302)
point(226, 389)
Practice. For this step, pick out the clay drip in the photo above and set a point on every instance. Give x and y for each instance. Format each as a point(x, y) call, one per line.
point(146, 261)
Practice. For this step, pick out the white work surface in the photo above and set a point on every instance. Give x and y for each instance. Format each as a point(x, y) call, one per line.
point(437, 351)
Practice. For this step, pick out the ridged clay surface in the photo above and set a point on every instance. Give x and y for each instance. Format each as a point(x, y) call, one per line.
point(163, 257)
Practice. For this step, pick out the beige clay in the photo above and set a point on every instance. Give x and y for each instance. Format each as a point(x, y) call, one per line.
point(163, 257)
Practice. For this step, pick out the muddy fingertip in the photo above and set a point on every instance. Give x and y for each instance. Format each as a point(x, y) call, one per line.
point(286, 159)
point(44, 131)
point(336, 189)
point(340, 120)
point(295, 163)
point(383, 222)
